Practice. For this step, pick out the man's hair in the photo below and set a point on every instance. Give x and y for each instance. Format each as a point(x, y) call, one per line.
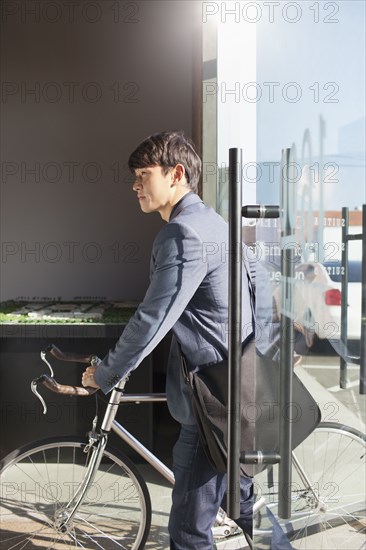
point(167, 149)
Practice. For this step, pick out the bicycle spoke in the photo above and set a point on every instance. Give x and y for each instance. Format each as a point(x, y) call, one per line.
point(104, 534)
point(87, 507)
point(77, 542)
point(28, 508)
point(29, 538)
point(40, 483)
point(328, 511)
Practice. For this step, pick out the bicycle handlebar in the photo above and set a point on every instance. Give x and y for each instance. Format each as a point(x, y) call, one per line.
point(51, 383)
point(66, 356)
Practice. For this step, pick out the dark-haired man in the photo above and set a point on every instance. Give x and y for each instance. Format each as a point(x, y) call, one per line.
point(188, 294)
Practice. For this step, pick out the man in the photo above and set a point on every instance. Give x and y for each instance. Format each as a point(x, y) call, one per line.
point(188, 294)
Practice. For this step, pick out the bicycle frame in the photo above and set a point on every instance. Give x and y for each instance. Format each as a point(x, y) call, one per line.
point(159, 466)
point(109, 423)
point(137, 446)
point(98, 442)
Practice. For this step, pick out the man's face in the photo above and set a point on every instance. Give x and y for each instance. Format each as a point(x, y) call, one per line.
point(153, 188)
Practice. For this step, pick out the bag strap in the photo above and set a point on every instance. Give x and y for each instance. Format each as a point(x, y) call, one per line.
point(183, 364)
point(251, 293)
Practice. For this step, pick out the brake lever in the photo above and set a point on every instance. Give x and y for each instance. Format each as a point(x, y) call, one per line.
point(35, 381)
point(43, 357)
point(37, 394)
point(53, 385)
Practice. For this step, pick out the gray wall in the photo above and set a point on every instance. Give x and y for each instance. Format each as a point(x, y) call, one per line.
point(103, 80)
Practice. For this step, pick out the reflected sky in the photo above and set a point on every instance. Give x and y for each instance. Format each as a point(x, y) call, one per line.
point(326, 61)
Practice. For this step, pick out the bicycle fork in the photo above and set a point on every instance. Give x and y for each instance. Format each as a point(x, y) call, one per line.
point(65, 515)
point(320, 505)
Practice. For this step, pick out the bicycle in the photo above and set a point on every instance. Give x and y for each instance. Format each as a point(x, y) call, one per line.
point(78, 492)
point(327, 491)
point(72, 492)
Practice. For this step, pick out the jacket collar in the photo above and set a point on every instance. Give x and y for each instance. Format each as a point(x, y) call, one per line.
point(187, 200)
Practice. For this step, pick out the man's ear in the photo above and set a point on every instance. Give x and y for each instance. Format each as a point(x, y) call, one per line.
point(178, 173)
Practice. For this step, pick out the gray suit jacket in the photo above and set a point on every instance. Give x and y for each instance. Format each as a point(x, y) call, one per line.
point(188, 294)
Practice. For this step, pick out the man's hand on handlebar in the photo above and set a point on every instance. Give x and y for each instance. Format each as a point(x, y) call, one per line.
point(87, 379)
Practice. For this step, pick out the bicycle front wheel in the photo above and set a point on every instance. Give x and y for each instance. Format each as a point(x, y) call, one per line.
point(327, 491)
point(38, 481)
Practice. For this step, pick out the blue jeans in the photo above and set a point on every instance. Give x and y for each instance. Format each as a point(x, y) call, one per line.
point(198, 493)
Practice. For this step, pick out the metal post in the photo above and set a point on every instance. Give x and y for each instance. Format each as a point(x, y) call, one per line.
point(363, 308)
point(344, 302)
point(235, 336)
point(287, 334)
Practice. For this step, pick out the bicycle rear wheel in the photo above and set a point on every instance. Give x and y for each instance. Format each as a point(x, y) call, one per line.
point(38, 480)
point(329, 510)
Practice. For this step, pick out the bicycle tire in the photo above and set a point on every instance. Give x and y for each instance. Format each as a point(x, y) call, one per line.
point(333, 458)
point(38, 479)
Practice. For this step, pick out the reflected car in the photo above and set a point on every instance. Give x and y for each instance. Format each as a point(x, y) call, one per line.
point(335, 271)
point(317, 301)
